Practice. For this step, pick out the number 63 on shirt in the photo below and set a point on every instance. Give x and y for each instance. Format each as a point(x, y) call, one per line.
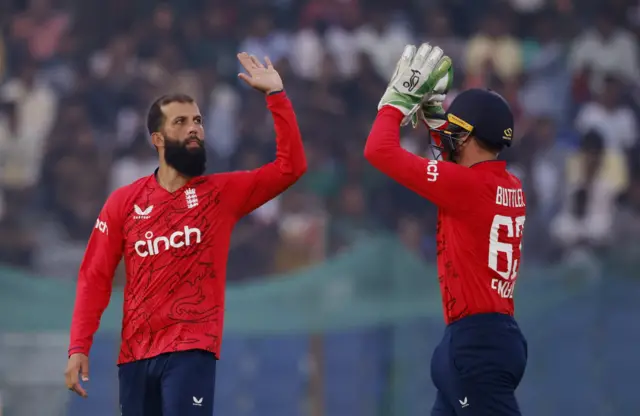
point(501, 253)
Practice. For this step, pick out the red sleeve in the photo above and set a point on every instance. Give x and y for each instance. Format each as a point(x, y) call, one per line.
point(95, 280)
point(446, 184)
point(249, 190)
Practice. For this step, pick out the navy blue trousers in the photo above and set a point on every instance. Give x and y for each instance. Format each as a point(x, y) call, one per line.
point(174, 384)
point(477, 367)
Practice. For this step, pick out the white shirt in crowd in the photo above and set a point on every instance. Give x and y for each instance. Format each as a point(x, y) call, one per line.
point(616, 55)
point(618, 126)
point(21, 152)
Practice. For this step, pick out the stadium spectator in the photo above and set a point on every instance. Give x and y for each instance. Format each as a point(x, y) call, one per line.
point(77, 87)
point(595, 178)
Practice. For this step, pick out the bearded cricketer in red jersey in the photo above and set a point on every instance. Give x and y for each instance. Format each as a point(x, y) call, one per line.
point(481, 213)
point(173, 229)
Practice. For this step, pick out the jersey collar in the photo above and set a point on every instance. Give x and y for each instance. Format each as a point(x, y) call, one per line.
point(191, 182)
point(490, 165)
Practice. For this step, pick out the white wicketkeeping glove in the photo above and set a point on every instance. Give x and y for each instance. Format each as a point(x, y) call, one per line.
point(416, 76)
point(431, 110)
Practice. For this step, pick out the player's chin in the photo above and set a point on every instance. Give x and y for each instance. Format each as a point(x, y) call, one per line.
point(195, 150)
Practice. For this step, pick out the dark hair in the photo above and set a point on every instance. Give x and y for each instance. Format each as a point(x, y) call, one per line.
point(155, 117)
point(605, 15)
point(486, 146)
point(580, 201)
point(592, 141)
point(612, 79)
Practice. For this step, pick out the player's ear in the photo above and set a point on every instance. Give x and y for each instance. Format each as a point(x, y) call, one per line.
point(463, 141)
point(157, 139)
point(470, 138)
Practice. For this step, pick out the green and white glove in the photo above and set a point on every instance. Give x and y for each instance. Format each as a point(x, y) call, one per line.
point(431, 109)
point(417, 74)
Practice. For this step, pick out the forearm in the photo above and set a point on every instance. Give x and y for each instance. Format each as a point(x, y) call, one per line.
point(252, 189)
point(290, 158)
point(384, 152)
point(431, 179)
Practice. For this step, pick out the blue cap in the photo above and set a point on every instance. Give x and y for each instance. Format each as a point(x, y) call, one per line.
point(485, 114)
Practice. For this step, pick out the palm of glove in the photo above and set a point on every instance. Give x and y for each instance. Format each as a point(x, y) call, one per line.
point(420, 75)
point(431, 109)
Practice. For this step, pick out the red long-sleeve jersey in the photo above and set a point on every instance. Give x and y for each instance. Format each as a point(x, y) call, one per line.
point(175, 247)
point(481, 215)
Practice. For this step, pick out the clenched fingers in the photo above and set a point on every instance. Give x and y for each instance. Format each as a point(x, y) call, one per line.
point(73, 382)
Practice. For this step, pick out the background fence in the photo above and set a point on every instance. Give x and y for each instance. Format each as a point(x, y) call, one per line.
point(352, 336)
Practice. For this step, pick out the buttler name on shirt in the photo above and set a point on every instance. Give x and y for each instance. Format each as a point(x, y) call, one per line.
point(511, 198)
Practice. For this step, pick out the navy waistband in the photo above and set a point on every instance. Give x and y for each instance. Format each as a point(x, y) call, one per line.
point(482, 319)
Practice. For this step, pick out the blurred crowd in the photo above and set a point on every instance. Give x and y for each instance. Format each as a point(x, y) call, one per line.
point(77, 78)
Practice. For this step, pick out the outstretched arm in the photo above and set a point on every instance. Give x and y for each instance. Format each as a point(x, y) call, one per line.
point(420, 74)
point(251, 189)
point(95, 279)
point(445, 184)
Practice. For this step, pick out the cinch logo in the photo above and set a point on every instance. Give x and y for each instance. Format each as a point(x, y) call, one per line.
point(152, 246)
point(432, 170)
point(102, 226)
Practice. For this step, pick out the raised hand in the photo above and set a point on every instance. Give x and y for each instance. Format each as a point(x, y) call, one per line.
point(417, 74)
point(262, 77)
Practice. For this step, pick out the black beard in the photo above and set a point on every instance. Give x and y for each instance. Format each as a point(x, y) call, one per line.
point(188, 162)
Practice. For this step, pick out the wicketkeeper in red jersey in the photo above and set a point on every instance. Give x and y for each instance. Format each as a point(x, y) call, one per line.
point(482, 356)
point(173, 229)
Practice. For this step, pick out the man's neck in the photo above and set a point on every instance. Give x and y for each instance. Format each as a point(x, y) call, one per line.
point(169, 178)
